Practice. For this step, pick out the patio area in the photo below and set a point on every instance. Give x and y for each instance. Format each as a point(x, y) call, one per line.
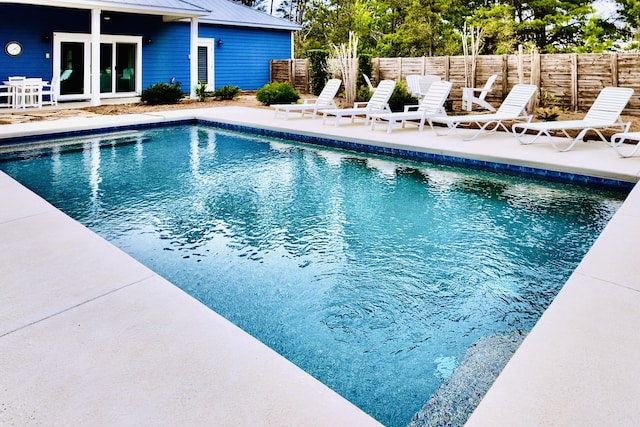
point(83, 342)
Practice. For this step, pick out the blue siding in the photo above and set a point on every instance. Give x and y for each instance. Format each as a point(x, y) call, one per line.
point(31, 32)
point(243, 59)
point(167, 56)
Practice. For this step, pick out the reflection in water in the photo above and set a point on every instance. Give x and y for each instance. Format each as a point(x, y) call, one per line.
point(372, 274)
point(93, 150)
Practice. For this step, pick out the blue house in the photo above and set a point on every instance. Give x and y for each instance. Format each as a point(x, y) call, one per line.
point(136, 43)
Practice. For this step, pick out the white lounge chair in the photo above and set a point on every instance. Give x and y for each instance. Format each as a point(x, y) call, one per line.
point(418, 85)
point(604, 114)
point(313, 105)
point(379, 103)
point(469, 95)
point(368, 81)
point(432, 105)
point(618, 139)
point(513, 108)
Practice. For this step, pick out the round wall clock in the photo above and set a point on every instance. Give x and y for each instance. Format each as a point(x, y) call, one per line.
point(13, 48)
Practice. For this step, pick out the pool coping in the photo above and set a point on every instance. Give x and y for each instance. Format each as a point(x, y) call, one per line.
point(569, 370)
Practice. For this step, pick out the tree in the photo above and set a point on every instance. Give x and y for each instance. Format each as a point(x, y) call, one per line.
point(423, 33)
point(388, 28)
point(499, 28)
point(551, 25)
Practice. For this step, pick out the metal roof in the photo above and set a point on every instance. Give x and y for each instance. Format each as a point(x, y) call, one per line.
point(175, 8)
point(219, 12)
point(226, 12)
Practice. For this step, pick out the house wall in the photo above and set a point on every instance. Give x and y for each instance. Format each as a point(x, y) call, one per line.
point(242, 59)
point(31, 26)
point(244, 56)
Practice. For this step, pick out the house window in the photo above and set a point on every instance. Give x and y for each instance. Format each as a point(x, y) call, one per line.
point(205, 63)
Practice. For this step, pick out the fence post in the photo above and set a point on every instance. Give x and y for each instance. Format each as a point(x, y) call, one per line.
point(574, 81)
point(505, 76)
point(292, 72)
point(614, 69)
point(447, 67)
point(535, 76)
point(307, 83)
point(376, 69)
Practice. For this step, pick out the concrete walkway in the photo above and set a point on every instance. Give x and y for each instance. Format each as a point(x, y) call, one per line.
point(90, 336)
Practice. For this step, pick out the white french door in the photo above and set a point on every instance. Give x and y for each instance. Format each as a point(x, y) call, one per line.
point(120, 65)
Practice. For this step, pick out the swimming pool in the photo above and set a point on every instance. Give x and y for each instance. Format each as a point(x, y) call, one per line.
point(366, 272)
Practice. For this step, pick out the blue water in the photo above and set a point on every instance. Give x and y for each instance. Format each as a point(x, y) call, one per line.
point(374, 275)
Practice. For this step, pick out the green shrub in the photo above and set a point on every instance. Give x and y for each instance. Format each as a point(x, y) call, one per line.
point(365, 66)
point(317, 69)
point(547, 114)
point(401, 97)
point(363, 94)
point(227, 92)
point(201, 91)
point(162, 93)
point(277, 93)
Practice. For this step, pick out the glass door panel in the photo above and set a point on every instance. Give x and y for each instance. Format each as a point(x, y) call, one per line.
point(106, 65)
point(125, 67)
point(72, 68)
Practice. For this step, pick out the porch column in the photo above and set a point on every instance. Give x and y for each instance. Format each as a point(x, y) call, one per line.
point(193, 58)
point(95, 57)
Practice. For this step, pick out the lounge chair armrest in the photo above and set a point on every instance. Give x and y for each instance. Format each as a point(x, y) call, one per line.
point(310, 101)
point(410, 107)
point(360, 104)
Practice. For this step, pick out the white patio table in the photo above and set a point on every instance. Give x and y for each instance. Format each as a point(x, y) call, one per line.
point(25, 92)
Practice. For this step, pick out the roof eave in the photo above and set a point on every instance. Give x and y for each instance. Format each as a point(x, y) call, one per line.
point(291, 27)
point(116, 7)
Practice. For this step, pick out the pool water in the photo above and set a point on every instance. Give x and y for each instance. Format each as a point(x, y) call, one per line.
point(372, 274)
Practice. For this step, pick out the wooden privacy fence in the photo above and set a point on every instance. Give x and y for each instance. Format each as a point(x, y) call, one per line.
point(575, 79)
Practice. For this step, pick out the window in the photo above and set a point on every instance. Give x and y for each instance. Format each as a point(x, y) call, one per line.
point(205, 62)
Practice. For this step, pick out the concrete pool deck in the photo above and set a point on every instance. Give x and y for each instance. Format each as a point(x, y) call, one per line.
point(83, 342)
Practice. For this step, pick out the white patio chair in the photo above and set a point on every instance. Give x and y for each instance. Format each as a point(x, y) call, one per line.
point(619, 138)
point(32, 93)
point(314, 105)
point(379, 103)
point(49, 92)
point(413, 84)
point(424, 82)
point(432, 105)
point(368, 81)
point(17, 84)
point(513, 108)
point(604, 114)
point(469, 95)
point(6, 96)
